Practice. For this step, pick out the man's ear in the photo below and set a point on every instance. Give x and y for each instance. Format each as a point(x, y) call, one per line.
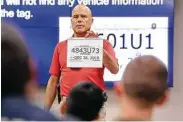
point(71, 21)
point(119, 88)
point(163, 100)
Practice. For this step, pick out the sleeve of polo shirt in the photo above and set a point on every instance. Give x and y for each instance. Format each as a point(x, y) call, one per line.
point(108, 47)
point(55, 66)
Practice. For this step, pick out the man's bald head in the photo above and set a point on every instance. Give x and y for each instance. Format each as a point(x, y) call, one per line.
point(81, 20)
point(82, 7)
point(145, 78)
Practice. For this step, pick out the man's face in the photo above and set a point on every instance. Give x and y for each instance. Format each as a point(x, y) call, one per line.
point(81, 20)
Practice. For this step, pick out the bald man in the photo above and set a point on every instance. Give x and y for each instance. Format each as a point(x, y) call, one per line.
point(142, 88)
point(81, 21)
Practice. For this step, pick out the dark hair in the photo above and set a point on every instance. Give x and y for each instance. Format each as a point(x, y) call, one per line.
point(14, 62)
point(85, 101)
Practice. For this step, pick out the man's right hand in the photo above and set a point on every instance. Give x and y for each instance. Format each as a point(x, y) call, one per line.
point(62, 106)
point(50, 92)
point(91, 34)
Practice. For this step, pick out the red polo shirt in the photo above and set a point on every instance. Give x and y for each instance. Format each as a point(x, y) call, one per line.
point(70, 77)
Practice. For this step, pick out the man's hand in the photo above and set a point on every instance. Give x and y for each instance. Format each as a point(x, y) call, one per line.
point(63, 106)
point(50, 92)
point(91, 34)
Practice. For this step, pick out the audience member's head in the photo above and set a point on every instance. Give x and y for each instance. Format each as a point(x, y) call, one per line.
point(18, 80)
point(143, 86)
point(85, 101)
point(18, 73)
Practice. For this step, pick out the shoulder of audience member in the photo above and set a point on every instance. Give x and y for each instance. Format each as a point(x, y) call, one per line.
point(127, 119)
point(70, 117)
point(42, 115)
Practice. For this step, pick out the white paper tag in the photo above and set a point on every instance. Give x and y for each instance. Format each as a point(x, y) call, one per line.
point(82, 52)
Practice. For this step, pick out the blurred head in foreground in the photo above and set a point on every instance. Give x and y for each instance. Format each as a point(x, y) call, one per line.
point(85, 101)
point(143, 86)
point(18, 71)
point(18, 80)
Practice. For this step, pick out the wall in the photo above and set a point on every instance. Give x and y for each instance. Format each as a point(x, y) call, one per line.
point(174, 108)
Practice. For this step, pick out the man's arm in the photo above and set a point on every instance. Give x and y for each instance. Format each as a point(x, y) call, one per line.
point(51, 89)
point(110, 63)
point(50, 92)
point(109, 59)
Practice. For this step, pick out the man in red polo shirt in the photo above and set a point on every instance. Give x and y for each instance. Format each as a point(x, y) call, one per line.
point(81, 23)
